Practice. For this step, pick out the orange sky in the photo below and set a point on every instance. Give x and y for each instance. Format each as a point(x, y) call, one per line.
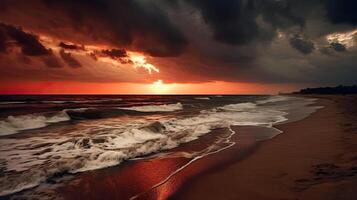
point(158, 87)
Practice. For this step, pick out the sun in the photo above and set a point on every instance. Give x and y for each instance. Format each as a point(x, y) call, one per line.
point(158, 87)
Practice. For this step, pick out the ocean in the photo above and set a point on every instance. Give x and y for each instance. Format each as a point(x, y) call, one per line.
point(46, 137)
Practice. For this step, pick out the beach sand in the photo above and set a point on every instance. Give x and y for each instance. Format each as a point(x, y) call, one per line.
point(315, 158)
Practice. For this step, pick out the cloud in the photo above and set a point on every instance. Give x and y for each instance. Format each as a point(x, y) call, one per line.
point(342, 11)
point(188, 40)
point(137, 25)
point(332, 48)
point(302, 44)
point(241, 22)
point(29, 43)
point(3, 45)
point(68, 58)
point(70, 46)
point(119, 55)
point(338, 46)
point(115, 53)
point(52, 62)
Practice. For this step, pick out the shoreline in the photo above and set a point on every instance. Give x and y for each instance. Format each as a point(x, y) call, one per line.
point(307, 161)
point(127, 177)
point(132, 178)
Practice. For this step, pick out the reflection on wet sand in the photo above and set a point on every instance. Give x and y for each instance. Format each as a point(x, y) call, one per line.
point(161, 177)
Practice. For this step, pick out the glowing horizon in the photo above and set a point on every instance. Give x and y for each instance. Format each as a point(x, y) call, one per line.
point(156, 88)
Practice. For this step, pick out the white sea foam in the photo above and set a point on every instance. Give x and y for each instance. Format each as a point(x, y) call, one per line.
point(239, 106)
point(155, 108)
point(107, 142)
point(202, 98)
point(275, 98)
point(14, 124)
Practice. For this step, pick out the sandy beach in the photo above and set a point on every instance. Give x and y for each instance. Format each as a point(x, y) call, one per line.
point(315, 158)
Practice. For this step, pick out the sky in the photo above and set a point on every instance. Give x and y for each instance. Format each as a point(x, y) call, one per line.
point(176, 46)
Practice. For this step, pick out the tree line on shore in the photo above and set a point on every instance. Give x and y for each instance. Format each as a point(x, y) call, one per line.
point(329, 90)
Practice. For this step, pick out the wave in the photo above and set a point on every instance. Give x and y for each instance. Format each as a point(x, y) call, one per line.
point(273, 99)
point(155, 108)
point(239, 106)
point(14, 124)
point(202, 98)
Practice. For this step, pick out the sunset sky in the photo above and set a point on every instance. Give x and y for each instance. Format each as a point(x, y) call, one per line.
point(176, 46)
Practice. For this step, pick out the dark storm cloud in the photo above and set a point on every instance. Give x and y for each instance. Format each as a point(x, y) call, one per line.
point(338, 46)
point(3, 6)
point(232, 22)
point(70, 46)
point(115, 53)
point(68, 58)
point(236, 22)
point(333, 48)
point(302, 44)
point(342, 11)
point(137, 24)
point(29, 43)
point(2, 42)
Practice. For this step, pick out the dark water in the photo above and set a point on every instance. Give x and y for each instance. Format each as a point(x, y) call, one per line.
point(44, 137)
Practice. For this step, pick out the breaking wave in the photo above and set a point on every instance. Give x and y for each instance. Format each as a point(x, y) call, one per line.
point(239, 106)
point(155, 108)
point(14, 124)
point(202, 98)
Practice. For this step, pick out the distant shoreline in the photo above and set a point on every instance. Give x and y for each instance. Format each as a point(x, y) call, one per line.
point(338, 90)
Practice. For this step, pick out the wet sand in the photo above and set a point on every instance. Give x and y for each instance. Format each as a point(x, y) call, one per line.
point(315, 158)
point(137, 177)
